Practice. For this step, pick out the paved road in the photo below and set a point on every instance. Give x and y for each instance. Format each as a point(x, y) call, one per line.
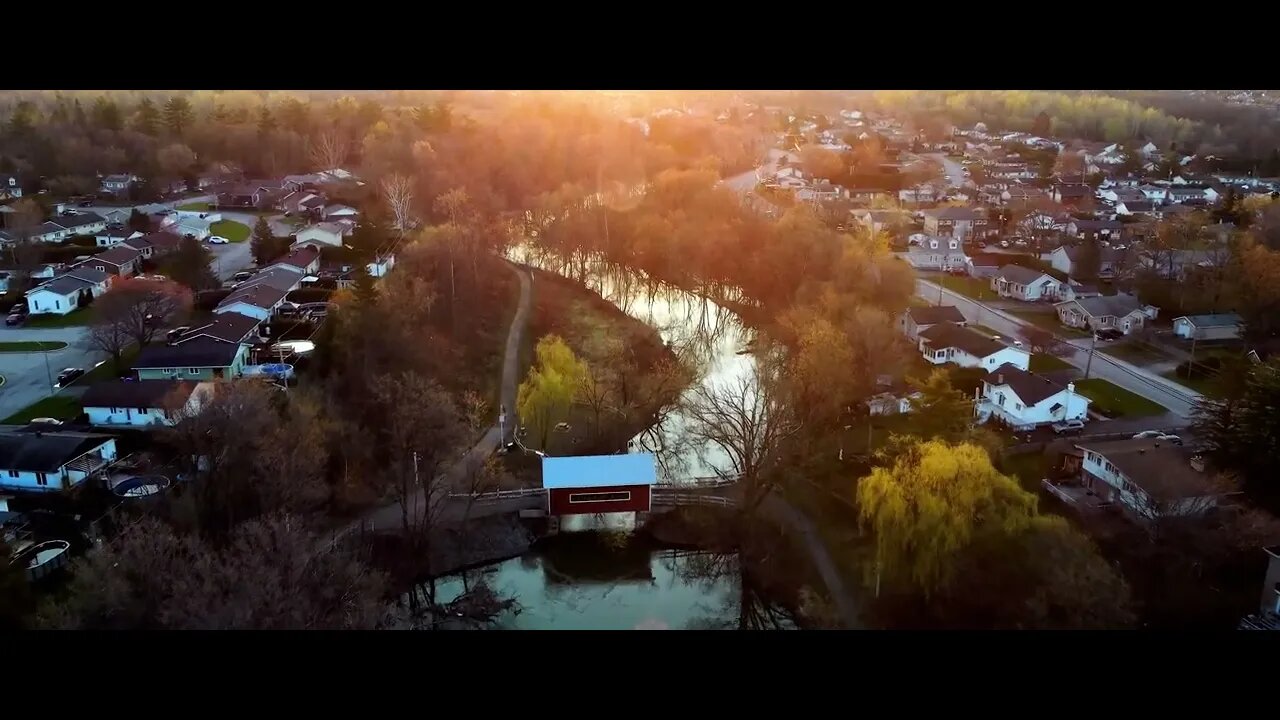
point(954, 170)
point(1130, 377)
point(391, 517)
point(28, 375)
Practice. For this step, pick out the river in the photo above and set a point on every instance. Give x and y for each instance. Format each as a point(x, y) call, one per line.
point(617, 581)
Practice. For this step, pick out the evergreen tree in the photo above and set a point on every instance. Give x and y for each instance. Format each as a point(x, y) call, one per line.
point(177, 114)
point(106, 114)
point(263, 245)
point(147, 118)
point(1043, 125)
point(189, 265)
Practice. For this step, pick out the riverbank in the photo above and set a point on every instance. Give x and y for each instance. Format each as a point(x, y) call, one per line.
point(637, 374)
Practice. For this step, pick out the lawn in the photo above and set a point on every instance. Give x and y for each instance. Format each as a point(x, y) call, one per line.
point(105, 371)
point(1048, 321)
point(976, 288)
point(983, 329)
point(1136, 352)
point(194, 207)
point(1115, 402)
point(62, 407)
point(31, 346)
point(1199, 383)
point(1043, 362)
point(231, 230)
point(79, 316)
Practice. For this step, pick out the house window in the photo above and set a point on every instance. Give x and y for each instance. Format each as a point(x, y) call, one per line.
point(940, 354)
point(57, 304)
point(621, 496)
point(113, 410)
point(1017, 406)
point(193, 371)
point(1109, 468)
point(1000, 399)
point(42, 479)
point(13, 473)
point(100, 268)
point(169, 371)
point(142, 411)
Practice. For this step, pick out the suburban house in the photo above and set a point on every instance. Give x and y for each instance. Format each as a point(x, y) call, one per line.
point(918, 194)
point(154, 245)
point(1064, 258)
point(916, 319)
point(1101, 229)
point(196, 227)
point(1024, 400)
point(301, 202)
point(1118, 312)
point(1155, 193)
point(1075, 195)
point(118, 183)
point(954, 222)
point(950, 343)
point(325, 233)
point(935, 254)
point(858, 195)
point(1020, 283)
point(10, 187)
point(262, 294)
point(46, 232)
point(65, 292)
point(1148, 478)
point(304, 260)
point(821, 191)
point(1021, 194)
point(1185, 193)
point(114, 235)
point(121, 261)
point(381, 265)
point(983, 265)
point(51, 460)
point(1119, 194)
point(1223, 326)
point(1136, 207)
point(214, 351)
point(81, 223)
point(142, 402)
point(890, 404)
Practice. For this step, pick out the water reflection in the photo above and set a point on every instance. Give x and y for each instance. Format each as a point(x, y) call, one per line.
point(707, 337)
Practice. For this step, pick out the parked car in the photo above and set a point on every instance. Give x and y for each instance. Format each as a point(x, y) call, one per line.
point(45, 421)
point(1108, 335)
point(15, 320)
point(1004, 243)
point(1147, 434)
point(68, 375)
point(86, 203)
point(218, 240)
point(1068, 426)
point(19, 308)
point(242, 276)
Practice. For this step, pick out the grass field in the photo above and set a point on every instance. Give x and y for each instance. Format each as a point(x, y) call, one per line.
point(31, 346)
point(231, 230)
point(1043, 362)
point(193, 207)
point(1199, 383)
point(1115, 402)
point(976, 288)
point(80, 316)
point(62, 407)
point(1136, 352)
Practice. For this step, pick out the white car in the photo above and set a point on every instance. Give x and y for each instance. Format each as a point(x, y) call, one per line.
point(218, 240)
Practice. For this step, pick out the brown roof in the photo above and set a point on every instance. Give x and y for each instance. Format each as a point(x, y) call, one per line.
point(135, 393)
point(934, 315)
point(230, 327)
point(1031, 388)
point(118, 255)
point(301, 257)
point(1162, 469)
point(946, 334)
point(162, 240)
point(263, 296)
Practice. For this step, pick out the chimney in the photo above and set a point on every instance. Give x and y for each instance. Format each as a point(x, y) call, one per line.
point(1000, 379)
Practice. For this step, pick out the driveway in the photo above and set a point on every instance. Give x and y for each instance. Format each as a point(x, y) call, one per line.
point(1137, 380)
point(28, 376)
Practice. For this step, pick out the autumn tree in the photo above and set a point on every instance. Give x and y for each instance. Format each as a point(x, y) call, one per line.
point(821, 163)
point(329, 150)
point(269, 574)
point(21, 225)
point(175, 160)
point(1042, 126)
point(940, 411)
point(547, 393)
point(138, 308)
point(397, 192)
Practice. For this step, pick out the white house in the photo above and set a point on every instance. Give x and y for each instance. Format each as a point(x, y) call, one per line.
point(114, 235)
point(142, 403)
point(193, 226)
point(303, 260)
point(936, 254)
point(1224, 326)
point(916, 319)
point(950, 343)
point(64, 293)
point(381, 265)
point(325, 233)
point(1116, 312)
point(81, 223)
point(117, 183)
point(51, 460)
point(918, 194)
point(890, 404)
point(1024, 400)
point(1064, 258)
point(1020, 283)
point(9, 187)
point(1148, 477)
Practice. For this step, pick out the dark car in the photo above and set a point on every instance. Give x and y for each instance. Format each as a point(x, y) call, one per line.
point(86, 203)
point(19, 308)
point(15, 320)
point(68, 375)
point(1107, 335)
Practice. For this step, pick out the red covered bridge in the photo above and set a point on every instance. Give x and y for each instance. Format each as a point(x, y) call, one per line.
point(589, 484)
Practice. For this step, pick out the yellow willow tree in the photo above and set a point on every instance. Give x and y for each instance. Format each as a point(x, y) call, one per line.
point(547, 394)
point(931, 504)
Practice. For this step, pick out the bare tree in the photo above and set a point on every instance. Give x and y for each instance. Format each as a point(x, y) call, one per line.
point(397, 190)
point(111, 337)
point(329, 150)
point(140, 307)
point(21, 225)
point(747, 419)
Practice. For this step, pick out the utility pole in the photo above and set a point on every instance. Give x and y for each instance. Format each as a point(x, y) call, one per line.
point(1093, 343)
point(416, 481)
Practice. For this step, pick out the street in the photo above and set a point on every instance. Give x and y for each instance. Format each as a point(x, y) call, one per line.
point(29, 375)
point(954, 170)
point(1176, 398)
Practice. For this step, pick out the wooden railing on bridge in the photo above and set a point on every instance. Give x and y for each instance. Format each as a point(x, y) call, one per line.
point(677, 497)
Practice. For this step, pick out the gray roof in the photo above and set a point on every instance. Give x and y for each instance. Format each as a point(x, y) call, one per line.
point(946, 334)
point(63, 285)
point(199, 353)
point(1103, 305)
point(1031, 388)
point(44, 451)
point(954, 213)
point(1134, 206)
point(934, 315)
point(1022, 275)
point(231, 327)
point(1219, 320)
point(261, 296)
point(118, 255)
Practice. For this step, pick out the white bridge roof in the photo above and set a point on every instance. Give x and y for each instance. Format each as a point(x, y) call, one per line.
point(589, 471)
